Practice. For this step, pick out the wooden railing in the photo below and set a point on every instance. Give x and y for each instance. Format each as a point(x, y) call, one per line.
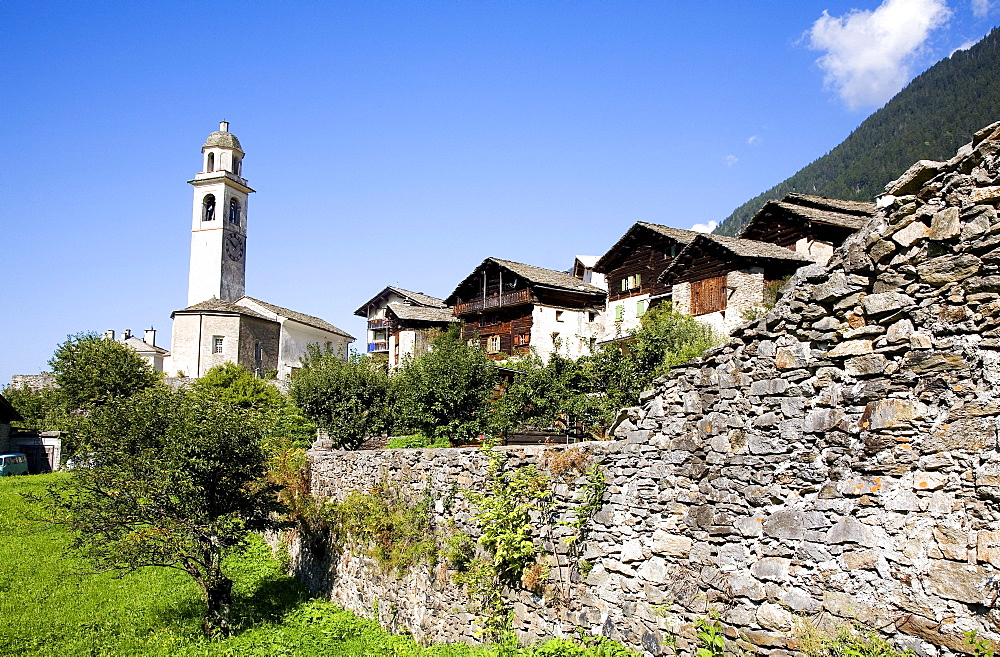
point(496, 301)
point(374, 324)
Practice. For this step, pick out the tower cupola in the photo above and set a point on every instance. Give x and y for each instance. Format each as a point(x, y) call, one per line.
point(222, 151)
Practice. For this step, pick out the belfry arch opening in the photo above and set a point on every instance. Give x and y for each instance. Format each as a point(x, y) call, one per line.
point(210, 163)
point(208, 208)
point(234, 211)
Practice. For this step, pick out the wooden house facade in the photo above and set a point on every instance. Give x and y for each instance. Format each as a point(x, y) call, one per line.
point(721, 280)
point(509, 308)
point(632, 268)
point(403, 324)
point(810, 225)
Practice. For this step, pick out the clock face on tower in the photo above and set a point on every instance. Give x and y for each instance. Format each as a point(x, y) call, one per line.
point(234, 247)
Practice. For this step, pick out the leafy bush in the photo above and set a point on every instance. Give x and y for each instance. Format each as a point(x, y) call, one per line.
point(92, 371)
point(416, 441)
point(446, 393)
point(348, 399)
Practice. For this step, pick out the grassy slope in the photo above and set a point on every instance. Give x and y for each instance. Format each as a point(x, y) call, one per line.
point(50, 607)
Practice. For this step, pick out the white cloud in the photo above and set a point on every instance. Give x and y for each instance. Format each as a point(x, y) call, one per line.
point(869, 52)
point(964, 46)
point(753, 140)
point(980, 8)
point(705, 228)
point(731, 160)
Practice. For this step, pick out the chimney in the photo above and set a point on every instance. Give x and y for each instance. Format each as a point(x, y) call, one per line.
point(149, 337)
point(223, 126)
point(109, 334)
point(126, 334)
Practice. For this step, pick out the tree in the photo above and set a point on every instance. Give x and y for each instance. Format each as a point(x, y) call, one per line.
point(666, 339)
point(284, 425)
point(41, 408)
point(173, 480)
point(447, 391)
point(347, 399)
point(91, 371)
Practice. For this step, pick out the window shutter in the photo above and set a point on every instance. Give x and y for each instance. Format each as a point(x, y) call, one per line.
point(619, 313)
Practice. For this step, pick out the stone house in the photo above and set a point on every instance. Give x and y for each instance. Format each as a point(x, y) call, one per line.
point(722, 280)
point(402, 324)
point(256, 334)
point(811, 225)
point(146, 347)
point(510, 308)
point(632, 269)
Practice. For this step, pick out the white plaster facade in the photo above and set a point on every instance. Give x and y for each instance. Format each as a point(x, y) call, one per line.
point(219, 221)
point(575, 332)
point(295, 337)
point(744, 294)
point(624, 316)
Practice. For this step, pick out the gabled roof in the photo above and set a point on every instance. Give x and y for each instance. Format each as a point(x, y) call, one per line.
point(421, 313)
point(749, 251)
point(416, 298)
point(218, 306)
point(588, 261)
point(141, 345)
point(301, 318)
point(851, 215)
point(679, 235)
point(534, 275)
point(7, 412)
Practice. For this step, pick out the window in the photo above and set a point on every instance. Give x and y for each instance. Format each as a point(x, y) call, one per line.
point(210, 167)
point(624, 285)
point(209, 206)
point(493, 344)
point(631, 282)
point(591, 317)
point(619, 313)
point(217, 344)
point(236, 165)
point(234, 211)
point(258, 351)
point(640, 308)
point(559, 315)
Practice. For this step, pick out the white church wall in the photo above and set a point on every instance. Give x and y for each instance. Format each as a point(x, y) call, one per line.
point(295, 340)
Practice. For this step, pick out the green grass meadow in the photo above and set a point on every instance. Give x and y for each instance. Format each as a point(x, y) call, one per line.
point(50, 605)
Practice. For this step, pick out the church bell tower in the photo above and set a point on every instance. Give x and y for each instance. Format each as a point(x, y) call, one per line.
point(219, 221)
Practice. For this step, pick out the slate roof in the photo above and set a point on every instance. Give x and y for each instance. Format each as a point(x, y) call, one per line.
point(140, 345)
point(301, 318)
point(220, 306)
point(549, 277)
point(419, 298)
point(421, 313)
point(751, 250)
point(835, 212)
point(537, 276)
point(679, 234)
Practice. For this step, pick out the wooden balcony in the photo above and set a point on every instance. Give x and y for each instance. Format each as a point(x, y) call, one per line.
point(517, 298)
point(376, 324)
point(378, 347)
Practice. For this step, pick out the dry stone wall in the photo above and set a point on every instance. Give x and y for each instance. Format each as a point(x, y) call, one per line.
point(835, 462)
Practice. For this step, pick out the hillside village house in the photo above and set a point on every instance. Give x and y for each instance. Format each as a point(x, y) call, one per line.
point(719, 279)
point(583, 268)
point(402, 324)
point(220, 323)
point(146, 347)
point(508, 308)
point(632, 268)
point(811, 225)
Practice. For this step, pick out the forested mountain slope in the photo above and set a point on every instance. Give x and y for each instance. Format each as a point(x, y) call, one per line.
point(928, 120)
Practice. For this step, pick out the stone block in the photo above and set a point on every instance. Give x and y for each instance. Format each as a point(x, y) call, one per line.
point(773, 617)
point(773, 569)
point(886, 413)
point(631, 551)
point(929, 480)
point(851, 348)
point(949, 268)
point(669, 544)
point(867, 365)
point(914, 178)
point(985, 194)
point(749, 525)
point(911, 233)
point(899, 331)
point(957, 581)
point(653, 569)
point(742, 585)
point(988, 547)
point(886, 302)
point(945, 224)
point(859, 559)
point(851, 530)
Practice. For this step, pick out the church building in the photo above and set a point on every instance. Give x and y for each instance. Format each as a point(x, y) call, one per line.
point(221, 324)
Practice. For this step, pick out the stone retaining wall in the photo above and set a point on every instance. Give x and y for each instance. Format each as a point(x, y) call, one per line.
point(836, 461)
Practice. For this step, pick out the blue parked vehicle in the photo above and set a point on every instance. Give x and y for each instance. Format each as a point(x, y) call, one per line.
point(13, 464)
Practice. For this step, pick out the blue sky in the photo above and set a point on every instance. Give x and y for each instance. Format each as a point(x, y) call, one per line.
point(403, 142)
